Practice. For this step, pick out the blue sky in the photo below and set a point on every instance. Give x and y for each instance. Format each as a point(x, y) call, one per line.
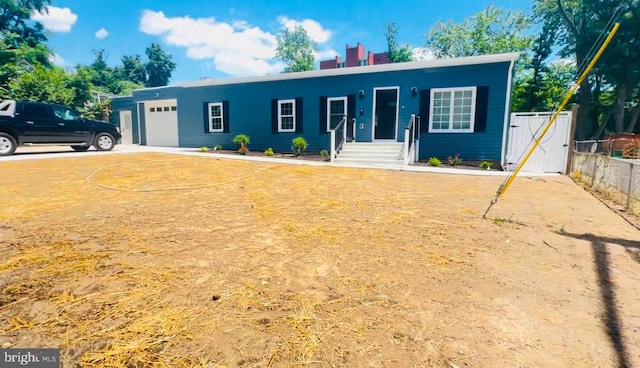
point(225, 38)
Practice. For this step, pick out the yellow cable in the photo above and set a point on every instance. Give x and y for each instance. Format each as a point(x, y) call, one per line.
point(558, 111)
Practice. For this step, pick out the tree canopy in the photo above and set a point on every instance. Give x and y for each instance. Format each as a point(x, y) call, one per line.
point(395, 52)
point(296, 49)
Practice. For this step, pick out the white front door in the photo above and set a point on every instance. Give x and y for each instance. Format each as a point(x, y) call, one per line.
point(126, 127)
point(161, 123)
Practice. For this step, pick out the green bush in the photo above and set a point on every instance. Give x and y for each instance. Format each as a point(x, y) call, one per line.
point(241, 140)
point(324, 153)
point(204, 149)
point(434, 161)
point(218, 147)
point(268, 152)
point(486, 164)
point(299, 145)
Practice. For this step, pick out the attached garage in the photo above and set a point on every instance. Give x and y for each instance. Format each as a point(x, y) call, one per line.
point(161, 122)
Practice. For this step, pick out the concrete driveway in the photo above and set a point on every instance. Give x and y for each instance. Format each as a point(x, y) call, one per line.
point(46, 152)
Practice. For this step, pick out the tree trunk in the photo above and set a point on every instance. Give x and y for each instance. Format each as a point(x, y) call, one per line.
point(620, 101)
point(634, 118)
point(603, 126)
point(584, 111)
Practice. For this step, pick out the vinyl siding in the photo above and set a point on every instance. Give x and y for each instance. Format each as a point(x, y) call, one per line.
point(125, 103)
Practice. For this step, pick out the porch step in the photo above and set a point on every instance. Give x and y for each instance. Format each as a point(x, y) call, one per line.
point(366, 153)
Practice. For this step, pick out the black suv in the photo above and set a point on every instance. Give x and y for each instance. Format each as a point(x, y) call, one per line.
point(38, 123)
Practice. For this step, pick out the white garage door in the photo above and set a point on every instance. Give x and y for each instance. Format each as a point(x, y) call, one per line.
point(551, 154)
point(161, 123)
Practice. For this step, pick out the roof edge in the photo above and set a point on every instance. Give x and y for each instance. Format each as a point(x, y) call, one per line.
point(410, 65)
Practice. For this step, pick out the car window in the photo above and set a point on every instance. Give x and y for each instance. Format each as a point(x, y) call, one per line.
point(65, 113)
point(35, 110)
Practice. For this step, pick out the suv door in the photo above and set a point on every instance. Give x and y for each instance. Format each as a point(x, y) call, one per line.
point(39, 126)
point(71, 125)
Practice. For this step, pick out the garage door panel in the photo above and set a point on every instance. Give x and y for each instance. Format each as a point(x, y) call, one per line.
point(161, 123)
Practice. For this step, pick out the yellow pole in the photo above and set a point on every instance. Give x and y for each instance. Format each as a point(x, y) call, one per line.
point(512, 177)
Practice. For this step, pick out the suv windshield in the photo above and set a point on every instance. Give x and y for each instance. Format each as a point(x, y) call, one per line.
point(65, 113)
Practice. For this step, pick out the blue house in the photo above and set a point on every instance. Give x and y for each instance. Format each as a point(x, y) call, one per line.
point(395, 112)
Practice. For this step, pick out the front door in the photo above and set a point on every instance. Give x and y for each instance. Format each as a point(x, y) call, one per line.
point(125, 127)
point(386, 113)
point(336, 111)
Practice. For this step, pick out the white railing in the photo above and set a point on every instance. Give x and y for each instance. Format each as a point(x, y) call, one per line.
point(409, 139)
point(338, 137)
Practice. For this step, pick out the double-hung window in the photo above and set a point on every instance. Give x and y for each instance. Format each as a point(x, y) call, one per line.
point(216, 112)
point(286, 115)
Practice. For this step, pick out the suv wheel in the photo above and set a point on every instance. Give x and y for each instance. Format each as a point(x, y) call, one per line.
point(80, 148)
point(104, 142)
point(8, 144)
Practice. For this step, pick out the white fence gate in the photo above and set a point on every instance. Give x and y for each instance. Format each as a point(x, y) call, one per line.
point(551, 154)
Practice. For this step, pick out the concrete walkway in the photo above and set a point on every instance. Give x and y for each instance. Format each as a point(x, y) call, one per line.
point(32, 153)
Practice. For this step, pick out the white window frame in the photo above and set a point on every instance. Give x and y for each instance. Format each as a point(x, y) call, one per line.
point(331, 99)
point(280, 116)
point(211, 104)
point(474, 92)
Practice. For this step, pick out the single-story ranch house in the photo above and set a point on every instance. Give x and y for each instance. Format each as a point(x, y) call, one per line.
point(461, 105)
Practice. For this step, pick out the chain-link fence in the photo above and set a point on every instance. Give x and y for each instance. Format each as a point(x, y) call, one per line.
point(615, 178)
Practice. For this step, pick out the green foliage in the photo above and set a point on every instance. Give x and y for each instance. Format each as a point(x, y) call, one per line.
point(491, 31)
point(268, 152)
point(455, 160)
point(296, 49)
point(434, 161)
point(203, 149)
point(299, 145)
point(133, 70)
point(98, 110)
point(486, 164)
point(15, 18)
point(159, 67)
point(45, 85)
point(241, 140)
point(324, 152)
point(218, 147)
point(396, 53)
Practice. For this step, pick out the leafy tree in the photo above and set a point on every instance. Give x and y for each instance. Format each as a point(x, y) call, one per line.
point(296, 49)
point(396, 53)
point(15, 18)
point(133, 69)
point(491, 31)
point(43, 84)
point(159, 66)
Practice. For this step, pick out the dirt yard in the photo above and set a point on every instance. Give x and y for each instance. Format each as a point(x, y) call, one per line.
point(250, 265)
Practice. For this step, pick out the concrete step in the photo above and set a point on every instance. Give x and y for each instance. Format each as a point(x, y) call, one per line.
point(369, 156)
point(368, 159)
point(369, 162)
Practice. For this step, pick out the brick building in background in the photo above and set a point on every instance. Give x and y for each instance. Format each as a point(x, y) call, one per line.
point(355, 57)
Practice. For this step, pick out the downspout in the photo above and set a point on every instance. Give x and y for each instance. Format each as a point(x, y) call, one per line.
point(507, 109)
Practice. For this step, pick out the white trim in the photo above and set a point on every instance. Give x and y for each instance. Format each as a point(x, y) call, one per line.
point(373, 114)
point(331, 99)
point(138, 114)
point(210, 118)
point(474, 92)
point(412, 65)
point(293, 112)
point(507, 108)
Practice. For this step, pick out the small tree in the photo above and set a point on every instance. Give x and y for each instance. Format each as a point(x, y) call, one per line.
point(396, 53)
point(299, 145)
point(296, 49)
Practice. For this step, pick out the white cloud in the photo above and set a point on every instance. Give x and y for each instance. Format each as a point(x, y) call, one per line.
point(422, 54)
point(326, 54)
point(313, 28)
point(236, 48)
point(57, 59)
point(56, 19)
point(102, 34)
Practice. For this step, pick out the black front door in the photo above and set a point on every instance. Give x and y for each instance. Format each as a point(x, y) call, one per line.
point(386, 109)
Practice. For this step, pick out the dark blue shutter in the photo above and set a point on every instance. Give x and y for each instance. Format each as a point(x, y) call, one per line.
point(274, 116)
point(351, 114)
point(482, 105)
point(225, 116)
point(323, 115)
point(425, 103)
point(206, 117)
point(299, 117)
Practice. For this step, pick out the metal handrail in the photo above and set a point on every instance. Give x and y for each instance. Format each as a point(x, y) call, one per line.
point(353, 132)
point(409, 138)
point(338, 137)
